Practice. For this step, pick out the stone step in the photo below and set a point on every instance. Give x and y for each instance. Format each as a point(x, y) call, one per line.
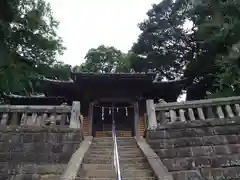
point(126, 155)
point(124, 149)
point(110, 138)
point(98, 161)
point(112, 173)
point(120, 151)
point(100, 147)
point(110, 166)
point(110, 155)
point(109, 161)
point(99, 152)
point(127, 146)
point(119, 144)
point(102, 158)
point(111, 147)
point(102, 144)
point(111, 141)
point(107, 151)
point(111, 178)
point(118, 141)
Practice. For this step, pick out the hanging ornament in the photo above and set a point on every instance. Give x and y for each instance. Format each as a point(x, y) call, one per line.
point(102, 113)
point(126, 109)
point(110, 112)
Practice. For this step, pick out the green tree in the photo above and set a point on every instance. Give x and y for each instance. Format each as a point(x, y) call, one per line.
point(216, 36)
point(28, 41)
point(104, 60)
point(207, 54)
point(163, 43)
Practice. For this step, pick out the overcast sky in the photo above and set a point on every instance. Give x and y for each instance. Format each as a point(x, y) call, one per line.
point(86, 24)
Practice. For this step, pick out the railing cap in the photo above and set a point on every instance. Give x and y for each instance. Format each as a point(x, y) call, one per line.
point(35, 109)
point(198, 103)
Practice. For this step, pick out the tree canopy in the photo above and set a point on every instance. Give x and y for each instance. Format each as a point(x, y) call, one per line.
point(215, 38)
point(28, 42)
point(207, 54)
point(162, 45)
point(104, 59)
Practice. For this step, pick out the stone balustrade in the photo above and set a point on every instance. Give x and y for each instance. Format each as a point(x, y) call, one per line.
point(36, 142)
point(198, 139)
point(34, 115)
point(208, 109)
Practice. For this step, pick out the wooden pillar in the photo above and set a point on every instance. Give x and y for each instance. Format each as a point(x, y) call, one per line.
point(75, 115)
point(90, 119)
point(151, 113)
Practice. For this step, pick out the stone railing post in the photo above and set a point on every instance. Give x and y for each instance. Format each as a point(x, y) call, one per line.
point(152, 120)
point(206, 109)
point(33, 115)
point(162, 116)
point(75, 115)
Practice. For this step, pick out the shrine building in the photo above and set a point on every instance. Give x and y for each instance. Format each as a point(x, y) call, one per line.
point(104, 98)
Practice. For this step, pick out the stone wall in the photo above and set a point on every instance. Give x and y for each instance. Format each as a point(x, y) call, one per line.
point(208, 150)
point(36, 152)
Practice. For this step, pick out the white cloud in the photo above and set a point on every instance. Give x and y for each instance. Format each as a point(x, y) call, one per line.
point(86, 24)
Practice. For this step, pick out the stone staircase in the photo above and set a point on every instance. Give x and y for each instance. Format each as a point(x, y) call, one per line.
point(132, 161)
point(98, 161)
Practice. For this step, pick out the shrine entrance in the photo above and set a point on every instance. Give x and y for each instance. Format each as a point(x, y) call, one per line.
point(105, 113)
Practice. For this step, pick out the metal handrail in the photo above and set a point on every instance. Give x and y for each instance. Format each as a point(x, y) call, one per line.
point(115, 156)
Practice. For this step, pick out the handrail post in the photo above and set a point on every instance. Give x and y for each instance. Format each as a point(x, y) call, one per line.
point(115, 154)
